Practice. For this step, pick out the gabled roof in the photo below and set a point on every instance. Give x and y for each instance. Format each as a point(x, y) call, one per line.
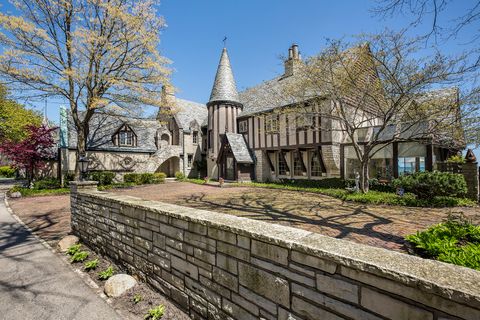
point(224, 87)
point(187, 111)
point(103, 126)
point(239, 147)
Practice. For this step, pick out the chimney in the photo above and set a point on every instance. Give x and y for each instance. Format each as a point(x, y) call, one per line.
point(167, 102)
point(293, 60)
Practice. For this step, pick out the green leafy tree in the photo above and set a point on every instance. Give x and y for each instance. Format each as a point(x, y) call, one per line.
point(14, 118)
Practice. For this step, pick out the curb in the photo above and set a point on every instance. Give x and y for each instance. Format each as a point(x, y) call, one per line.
point(84, 276)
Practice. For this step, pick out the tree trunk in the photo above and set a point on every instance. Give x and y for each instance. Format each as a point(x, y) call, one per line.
point(364, 175)
point(81, 149)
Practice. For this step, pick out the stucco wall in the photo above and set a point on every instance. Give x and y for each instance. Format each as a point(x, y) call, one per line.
point(218, 266)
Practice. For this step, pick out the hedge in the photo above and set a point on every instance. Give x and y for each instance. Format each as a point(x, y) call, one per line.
point(7, 172)
point(102, 177)
point(427, 185)
point(144, 178)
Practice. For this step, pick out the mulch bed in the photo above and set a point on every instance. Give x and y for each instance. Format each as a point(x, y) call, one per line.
point(125, 303)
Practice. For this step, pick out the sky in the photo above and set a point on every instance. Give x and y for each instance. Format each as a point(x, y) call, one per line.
point(259, 32)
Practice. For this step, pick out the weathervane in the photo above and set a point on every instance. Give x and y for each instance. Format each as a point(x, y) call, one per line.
point(225, 42)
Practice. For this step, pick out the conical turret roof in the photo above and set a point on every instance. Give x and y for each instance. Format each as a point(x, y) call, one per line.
point(224, 87)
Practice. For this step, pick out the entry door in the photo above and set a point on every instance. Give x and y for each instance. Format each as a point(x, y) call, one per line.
point(230, 169)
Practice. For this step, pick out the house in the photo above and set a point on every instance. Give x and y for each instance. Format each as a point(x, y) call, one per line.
point(243, 136)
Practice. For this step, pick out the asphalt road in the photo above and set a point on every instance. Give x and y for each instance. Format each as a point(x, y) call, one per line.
point(36, 284)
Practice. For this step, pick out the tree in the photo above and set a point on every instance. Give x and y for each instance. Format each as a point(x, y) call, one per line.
point(14, 118)
point(30, 153)
point(95, 54)
point(432, 12)
point(378, 92)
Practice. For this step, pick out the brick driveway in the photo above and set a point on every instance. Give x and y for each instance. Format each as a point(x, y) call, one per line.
point(381, 226)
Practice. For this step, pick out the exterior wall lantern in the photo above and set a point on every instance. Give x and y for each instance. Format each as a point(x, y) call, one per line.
point(83, 166)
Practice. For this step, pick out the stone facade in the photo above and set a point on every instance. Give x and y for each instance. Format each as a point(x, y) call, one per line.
point(217, 266)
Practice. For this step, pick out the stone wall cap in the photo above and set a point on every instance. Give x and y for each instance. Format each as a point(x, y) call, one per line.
point(447, 280)
point(83, 183)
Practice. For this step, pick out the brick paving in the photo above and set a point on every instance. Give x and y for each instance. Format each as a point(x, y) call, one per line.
point(380, 226)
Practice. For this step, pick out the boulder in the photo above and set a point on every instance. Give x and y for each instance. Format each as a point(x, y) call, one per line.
point(119, 284)
point(66, 243)
point(15, 194)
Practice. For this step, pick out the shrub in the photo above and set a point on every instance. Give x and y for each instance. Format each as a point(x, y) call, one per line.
point(73, 249)
point(132, 178)
point(103, 177)
point(155, 313)
point(146, 178)
point(106, 274)
point(333, 183)
point(79, 256)
point(70, 176)
point(455, 241)
point(427, 185)
point(7, 172)
point(456, 159)
point(90, 265)
point(46, 183)
point(137, 298)
point(179, 175)
point(159, 177)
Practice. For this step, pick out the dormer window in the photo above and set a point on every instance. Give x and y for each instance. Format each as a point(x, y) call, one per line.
point(125, 137)
point(195, 137)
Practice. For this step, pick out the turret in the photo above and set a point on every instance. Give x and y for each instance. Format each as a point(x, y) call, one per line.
point(223, 109)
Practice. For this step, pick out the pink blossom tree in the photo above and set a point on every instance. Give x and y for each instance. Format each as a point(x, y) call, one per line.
point(30, 153)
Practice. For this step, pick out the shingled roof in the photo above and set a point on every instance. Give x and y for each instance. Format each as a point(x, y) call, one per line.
point(239, 147)
point(224, 87)
point(188, 111)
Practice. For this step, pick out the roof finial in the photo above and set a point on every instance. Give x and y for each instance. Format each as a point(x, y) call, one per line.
point(225, 42)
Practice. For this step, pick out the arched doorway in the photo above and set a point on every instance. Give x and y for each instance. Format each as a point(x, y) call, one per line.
point(170, 166)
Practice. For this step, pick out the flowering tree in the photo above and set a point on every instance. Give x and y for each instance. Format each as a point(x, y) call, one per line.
point(30, 153)
point(95, 54)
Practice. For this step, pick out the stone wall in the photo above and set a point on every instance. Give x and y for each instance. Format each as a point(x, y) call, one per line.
point(217, 266)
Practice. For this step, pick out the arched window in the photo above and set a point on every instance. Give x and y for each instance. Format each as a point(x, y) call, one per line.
point(125, 137)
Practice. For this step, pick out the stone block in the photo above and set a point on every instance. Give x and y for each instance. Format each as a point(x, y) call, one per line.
point(286, 315)
point(179, 245)
point(200, 241)
point(310, 311)
point(198, 307)
point(309, 281)
point(142, 243)
point(200, 263)
point(172, 232)
point(197, 228)
point(338, 288)
point(224, 292)
point(204, 255)
point(243, 242)
point(314, 262)
point(205, 293)
point(247, 305)
point(182, 224)
point(222, 235)
point(225, 279)
point(236, 311)
point(271, 252)
point(227, 263)
point(173, 279)
point(392, 308)
point(264, 283)
point(258, 300)
point(184, 267)
point(233, 251)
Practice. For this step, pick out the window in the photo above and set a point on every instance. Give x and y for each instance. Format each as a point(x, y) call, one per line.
point(125, 137)
point(271, 123)
point(210, 139)
point(315, 165)
point(282, 165)
point(195, 137)
point(297, 164)
point(243, 126)
point(189, 160)
point(411, 157)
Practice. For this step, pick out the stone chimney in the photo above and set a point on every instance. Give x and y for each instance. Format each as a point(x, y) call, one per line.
point(167, 103)
point(293, 61)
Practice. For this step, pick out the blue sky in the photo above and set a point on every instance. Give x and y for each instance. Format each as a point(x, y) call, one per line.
point(259, 32)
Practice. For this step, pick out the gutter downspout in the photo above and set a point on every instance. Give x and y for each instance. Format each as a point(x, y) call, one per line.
point(185, 157)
